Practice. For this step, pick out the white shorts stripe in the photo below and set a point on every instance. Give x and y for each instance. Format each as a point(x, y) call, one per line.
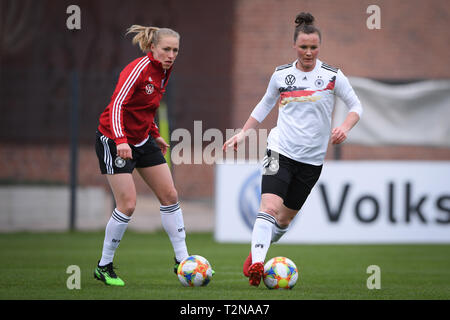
point(117, 106)
point(107, 157)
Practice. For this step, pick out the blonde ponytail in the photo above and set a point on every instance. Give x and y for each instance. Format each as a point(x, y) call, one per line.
point(146, 36)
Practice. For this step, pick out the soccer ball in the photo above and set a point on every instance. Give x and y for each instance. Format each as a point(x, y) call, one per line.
point(194, 271)
point(280, 273)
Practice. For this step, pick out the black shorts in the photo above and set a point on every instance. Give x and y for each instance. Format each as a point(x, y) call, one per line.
point(147, 155)
point(289, 179)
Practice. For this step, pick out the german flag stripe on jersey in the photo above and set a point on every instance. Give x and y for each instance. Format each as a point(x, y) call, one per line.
point(307, 93)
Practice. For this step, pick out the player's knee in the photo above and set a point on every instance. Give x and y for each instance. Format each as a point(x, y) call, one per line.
point(127, 205)
point(168, 197)
point(270, 209)
point(284, 222)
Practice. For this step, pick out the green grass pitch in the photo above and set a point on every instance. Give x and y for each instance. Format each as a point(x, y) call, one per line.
point(33, 266)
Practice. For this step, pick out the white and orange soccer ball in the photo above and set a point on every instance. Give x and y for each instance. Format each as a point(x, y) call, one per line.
point(194, 271)
point(280, 273)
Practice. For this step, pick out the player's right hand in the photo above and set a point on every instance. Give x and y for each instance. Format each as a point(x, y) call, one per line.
point(234, 141)
point(124, 151)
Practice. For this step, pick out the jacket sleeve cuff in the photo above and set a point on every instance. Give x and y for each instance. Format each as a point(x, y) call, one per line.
point(155, 134)
point(120, 140)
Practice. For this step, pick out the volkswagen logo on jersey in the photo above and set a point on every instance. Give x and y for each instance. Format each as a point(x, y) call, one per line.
point(119, 162)
point(249, 198)
point(289, 80)
point(149, 88)
point(318, 83)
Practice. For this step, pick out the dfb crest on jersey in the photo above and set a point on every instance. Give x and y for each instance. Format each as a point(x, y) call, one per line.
point(149, 88)
point(271, 164)
point(119, 162)
point(289, 80)
point(318, 83)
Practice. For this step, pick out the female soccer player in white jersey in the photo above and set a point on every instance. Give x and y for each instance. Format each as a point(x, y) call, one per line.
point(296, 147)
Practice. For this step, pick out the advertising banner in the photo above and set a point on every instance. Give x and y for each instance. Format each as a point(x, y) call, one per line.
point(353, 202)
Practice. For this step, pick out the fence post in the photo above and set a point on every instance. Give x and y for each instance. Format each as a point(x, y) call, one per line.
point(74, 148)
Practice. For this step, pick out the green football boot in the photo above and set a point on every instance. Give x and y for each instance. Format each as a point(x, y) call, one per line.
point(175, 267)
point(107, 275)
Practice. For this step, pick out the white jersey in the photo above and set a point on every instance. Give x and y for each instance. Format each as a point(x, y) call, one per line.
point(306, 102)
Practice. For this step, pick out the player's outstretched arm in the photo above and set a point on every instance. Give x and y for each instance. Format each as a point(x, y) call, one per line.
point(339, 134)
point(235, 140)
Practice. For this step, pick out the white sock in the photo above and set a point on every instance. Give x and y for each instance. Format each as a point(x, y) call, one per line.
point(172, 221)
point(278, 232)
point(261, 236)
point(114, 231)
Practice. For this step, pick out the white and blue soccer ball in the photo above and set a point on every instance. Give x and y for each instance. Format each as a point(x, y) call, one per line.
point(194, 271)
point(280, 273)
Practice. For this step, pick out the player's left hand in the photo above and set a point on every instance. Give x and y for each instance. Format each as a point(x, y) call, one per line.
point(162, 145)
point(338, 135)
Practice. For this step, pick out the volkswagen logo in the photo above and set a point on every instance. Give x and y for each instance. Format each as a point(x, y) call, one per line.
point(289, 80)
point(250, 198)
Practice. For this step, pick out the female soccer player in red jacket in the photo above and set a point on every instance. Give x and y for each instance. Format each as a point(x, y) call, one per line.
point(128, 138)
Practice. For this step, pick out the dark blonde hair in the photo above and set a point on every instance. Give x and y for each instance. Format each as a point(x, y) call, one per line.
point(146, 36)
point(304, 22)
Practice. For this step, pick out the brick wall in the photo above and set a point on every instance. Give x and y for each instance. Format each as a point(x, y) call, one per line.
point(50, 164)
point(229, 51)
point(409, 44)
point(36, 83)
